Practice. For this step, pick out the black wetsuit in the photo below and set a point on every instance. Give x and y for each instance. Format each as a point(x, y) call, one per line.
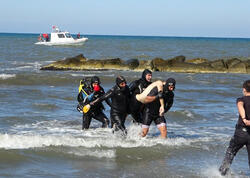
point(136, 107)
point(151, 111)
point(119, 105)
point(96, 112)
point(241, 137)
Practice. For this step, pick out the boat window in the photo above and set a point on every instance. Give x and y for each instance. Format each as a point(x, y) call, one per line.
point(68, 35)
point(61, 35)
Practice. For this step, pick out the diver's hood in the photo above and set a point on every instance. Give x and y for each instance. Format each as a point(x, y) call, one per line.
point(119, 80)
point(169, 82)
point(95, 79)
point(144, 73)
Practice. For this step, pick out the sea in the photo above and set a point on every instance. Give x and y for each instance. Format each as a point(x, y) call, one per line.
point(40, 127)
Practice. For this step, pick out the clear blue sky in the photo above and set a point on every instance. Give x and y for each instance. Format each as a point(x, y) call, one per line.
point(210, 18)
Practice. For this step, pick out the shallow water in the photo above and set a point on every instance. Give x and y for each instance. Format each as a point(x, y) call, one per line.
point(40, 129)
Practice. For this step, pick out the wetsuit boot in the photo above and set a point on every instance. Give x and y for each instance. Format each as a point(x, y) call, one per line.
point(86, 119)
point(236, 143)
point(226, 162)
point(105, 124)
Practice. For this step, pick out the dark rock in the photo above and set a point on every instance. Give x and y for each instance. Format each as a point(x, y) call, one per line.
point(238, 68)
point(178, 59)
point(115, 61)
point(232, 62)
point(132, 63)
point(144, 64)
point(158, 64)
point(197, 61)
point(218, 64)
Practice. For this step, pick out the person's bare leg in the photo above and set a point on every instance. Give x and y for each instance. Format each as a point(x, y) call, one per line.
point(145, 129)
point(163, 129)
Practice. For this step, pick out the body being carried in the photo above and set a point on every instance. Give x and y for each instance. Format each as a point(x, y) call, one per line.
point(151, 93)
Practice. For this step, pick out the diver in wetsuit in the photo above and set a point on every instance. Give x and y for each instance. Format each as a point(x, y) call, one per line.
point(137, 87)
point(96, 111)
point(151, 111)
point(242, 130)
point(119, 95)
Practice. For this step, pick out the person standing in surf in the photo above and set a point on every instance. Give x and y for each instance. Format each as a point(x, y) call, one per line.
point(120, 96)
point(242, 130)
point(96, 111)
point(137, 87)
point(151, 111)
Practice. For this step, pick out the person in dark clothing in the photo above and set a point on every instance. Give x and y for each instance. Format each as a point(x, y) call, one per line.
point(151, 111)
point(137, 87)
point(96, 111)
point(242, 130)
point(119, 95)
point(78, 35)
point(47, 38)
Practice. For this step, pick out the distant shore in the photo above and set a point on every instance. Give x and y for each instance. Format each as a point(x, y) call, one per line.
point(176, 64)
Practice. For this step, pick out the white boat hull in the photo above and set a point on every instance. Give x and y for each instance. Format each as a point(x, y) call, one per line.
point(79, 41)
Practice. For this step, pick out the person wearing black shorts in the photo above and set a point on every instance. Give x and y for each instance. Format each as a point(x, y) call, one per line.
point(151, 111)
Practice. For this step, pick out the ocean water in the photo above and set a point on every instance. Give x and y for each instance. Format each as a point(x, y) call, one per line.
point(40, 128)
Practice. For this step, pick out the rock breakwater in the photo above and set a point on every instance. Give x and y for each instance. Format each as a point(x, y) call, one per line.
point(176, 64)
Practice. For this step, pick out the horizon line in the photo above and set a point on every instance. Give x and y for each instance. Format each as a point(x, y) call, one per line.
point(169, 36)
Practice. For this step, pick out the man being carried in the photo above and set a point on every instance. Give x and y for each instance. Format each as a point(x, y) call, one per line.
point(152, 111)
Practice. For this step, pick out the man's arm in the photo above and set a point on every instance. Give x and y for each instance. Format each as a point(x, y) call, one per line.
point(240, 106)
point(106, 96)
point(169, 105)
point(108, 102)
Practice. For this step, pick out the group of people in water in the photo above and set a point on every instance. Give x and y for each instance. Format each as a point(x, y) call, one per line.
point(144, 100)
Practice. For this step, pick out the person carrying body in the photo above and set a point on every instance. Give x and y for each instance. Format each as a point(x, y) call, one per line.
point(137, 87)
point(119, 95)
point(151, 111)
point(96, 112)
point(242, 130)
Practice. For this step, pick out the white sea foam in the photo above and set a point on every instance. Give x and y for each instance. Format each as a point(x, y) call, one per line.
point(213, 172)
point(7, 76)
point(91, 75)
point(58, 133)
point(30, 140)
point(93, 153)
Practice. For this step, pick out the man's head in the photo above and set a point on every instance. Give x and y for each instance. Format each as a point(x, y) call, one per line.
point(147, 75)
point(170, 84)
point(95, 81)
point(246, 87)
point(120, 81)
